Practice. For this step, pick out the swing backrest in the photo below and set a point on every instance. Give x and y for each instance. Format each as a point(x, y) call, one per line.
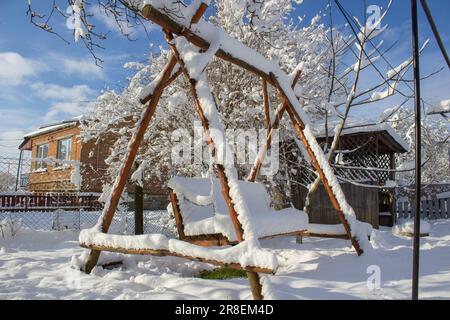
point(202, 205)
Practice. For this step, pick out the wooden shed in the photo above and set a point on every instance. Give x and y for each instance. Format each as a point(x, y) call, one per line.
point(365, 158)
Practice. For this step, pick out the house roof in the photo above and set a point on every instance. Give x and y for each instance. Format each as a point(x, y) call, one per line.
point(356, 126)
point(26, 143)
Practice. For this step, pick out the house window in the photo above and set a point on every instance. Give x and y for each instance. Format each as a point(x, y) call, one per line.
point(42, 153)
point(63, 151)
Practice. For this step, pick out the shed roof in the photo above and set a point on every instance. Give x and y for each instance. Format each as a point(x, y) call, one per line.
point(385, 132)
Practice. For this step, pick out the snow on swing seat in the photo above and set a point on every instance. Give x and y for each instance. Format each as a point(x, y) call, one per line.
point(204, 211)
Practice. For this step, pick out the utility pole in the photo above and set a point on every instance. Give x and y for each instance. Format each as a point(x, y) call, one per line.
point(416, 244)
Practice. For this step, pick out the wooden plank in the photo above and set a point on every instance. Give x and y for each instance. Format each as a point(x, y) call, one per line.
point(324, 235)
point(163, 253)
point(441, 210)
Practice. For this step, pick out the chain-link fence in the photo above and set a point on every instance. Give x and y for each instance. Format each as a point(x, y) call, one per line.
point(57, 220)
point(14, 174)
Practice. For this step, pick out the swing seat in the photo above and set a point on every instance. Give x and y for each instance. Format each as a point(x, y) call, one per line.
point(202, 214)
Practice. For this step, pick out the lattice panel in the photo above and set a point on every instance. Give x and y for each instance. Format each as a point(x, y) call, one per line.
point(356, 153)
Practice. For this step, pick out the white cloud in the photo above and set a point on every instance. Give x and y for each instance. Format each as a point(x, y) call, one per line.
point(14, 68)
point(66, 102)
point(84, 67)
point(61, 93)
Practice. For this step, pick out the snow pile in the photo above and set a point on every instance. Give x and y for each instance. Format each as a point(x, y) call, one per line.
point(406, 227)
point(194, 189)
point(35, 265)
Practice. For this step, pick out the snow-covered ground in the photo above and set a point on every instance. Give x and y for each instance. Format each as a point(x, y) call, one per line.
point(42, 265)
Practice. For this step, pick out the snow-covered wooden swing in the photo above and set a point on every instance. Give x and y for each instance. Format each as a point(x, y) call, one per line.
point(202, 218)
point(194, 42)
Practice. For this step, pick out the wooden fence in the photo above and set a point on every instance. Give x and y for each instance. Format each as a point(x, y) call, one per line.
point(431, 209)
point(43, 202)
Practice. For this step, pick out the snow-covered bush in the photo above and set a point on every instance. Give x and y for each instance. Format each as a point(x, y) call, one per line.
point(9, 228)
point(406, 227)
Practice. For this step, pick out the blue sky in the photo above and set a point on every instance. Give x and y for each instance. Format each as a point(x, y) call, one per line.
point(43, 80)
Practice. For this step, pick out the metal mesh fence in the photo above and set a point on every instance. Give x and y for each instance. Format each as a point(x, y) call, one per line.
point(57, 220)
point(14, 174)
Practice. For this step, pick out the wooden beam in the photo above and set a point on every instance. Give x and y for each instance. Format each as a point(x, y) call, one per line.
point(278, 116)
point(212, 147)
point(125, 169)
point(167, 23)
point(266, 106)
point(163, 253)
point(177, 214)
point(299, 128)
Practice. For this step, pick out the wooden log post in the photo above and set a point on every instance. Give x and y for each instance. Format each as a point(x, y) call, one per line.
point(138, 207)
point(252, 276)
point(299, 126)
point(125, 169)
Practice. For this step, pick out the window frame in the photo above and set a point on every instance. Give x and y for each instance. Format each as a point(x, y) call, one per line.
point(41, 165)
point(68, 155)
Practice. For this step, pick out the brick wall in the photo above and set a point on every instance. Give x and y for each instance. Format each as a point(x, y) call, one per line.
point(54, 179)
point(91, 154)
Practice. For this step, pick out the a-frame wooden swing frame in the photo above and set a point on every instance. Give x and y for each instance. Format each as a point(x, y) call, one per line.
point(167, 76)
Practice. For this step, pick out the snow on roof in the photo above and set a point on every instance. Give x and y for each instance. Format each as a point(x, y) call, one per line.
point(359, 126)
point(50, 128)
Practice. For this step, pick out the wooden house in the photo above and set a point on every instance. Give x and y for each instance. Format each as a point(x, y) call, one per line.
point(61, 141)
